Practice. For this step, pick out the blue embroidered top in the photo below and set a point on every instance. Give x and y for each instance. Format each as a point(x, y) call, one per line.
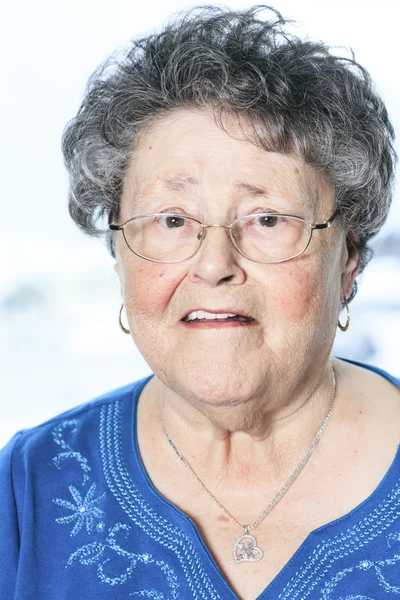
point(80, 518)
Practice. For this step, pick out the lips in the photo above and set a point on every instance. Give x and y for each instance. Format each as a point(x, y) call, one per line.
point(198, 315)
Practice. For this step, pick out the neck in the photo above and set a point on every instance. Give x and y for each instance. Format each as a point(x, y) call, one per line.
point(245, 442)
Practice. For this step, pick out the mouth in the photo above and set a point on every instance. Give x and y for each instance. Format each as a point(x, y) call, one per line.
point(216, 318)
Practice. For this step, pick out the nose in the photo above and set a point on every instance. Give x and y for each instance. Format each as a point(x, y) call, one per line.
point(217, 260)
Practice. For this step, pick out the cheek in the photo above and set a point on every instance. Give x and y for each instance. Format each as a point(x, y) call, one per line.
point(297, 292)
point(148, 289)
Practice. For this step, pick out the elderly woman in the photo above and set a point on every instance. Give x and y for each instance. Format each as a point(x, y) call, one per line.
point(243, 172)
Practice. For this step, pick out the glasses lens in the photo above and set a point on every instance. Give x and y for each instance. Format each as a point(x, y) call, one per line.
point(163, 237)
point(270, 237)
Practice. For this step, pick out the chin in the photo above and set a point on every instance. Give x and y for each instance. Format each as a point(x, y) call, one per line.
point(215, 384)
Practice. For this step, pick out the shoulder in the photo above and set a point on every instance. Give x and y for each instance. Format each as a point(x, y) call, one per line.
point(363, 369)
point(369, 402)
point(78, 425)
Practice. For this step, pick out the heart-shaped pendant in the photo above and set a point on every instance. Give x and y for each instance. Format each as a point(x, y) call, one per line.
point(246, 549)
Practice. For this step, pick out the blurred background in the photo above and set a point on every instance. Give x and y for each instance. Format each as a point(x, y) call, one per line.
point(60, 343)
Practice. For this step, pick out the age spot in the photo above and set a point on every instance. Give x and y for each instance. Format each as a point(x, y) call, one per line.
point(223, 519)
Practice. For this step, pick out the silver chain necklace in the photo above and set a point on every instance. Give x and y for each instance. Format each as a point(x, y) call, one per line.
point(245, 548)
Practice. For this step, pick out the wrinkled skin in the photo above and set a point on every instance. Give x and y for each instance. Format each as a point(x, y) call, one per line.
point(296, 303)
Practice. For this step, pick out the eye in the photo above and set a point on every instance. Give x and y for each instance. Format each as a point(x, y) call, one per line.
point(172, 221)
point(267, 220)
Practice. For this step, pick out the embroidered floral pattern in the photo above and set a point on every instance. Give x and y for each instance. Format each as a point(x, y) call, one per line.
point(100, 554)
point(149, 594)
point(113, 550)
point(142, 514)
point(380, 569)
point(59, 432)
point(358, 597)
point(85, 510)
point(86, 515)
point(326, 554)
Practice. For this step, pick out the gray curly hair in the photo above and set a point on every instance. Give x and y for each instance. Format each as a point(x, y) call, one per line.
point(297, 95)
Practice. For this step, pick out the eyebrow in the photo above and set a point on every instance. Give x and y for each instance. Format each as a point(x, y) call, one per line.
point(182, 183)
point(179, 184)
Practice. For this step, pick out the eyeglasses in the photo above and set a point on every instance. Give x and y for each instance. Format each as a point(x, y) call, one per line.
point(263, 237)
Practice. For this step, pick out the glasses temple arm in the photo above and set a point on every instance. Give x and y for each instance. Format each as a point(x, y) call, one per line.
point(113, 226)
point(327, 223)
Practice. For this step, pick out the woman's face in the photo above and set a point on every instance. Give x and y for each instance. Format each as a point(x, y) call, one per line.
point(294, 304)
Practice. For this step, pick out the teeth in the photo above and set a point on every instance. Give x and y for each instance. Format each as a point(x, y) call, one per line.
point(201, 314)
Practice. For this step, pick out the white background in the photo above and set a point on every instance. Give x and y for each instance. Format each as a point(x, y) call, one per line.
point(59, 339)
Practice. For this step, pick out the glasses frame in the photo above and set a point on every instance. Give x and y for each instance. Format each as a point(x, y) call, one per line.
point(202, 235)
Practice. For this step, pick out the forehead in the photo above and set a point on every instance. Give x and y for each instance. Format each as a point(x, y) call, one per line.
point(186, 152)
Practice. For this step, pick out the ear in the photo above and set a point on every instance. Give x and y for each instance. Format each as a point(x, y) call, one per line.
point(118, 271)
point(351, 264)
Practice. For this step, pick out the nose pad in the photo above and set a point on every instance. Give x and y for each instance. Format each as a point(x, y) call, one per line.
point(202, 234)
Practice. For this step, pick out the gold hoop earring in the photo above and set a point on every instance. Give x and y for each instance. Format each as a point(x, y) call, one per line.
point(345, 327)
point(124, 329)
